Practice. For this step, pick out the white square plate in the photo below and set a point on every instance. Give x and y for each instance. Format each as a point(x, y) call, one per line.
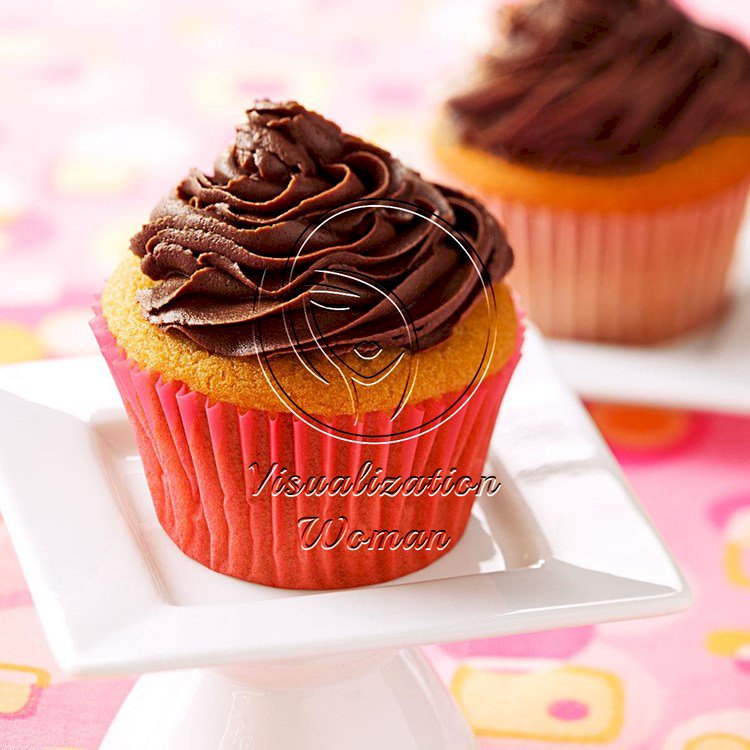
point(706, 370)
point(563, 543)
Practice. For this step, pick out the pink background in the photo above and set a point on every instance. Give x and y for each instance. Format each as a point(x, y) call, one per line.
point(106, 106)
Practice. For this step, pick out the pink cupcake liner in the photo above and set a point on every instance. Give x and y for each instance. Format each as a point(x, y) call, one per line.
point(623, 277)
point(197, 452)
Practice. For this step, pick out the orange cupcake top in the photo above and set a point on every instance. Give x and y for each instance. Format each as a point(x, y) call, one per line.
point(706, 170)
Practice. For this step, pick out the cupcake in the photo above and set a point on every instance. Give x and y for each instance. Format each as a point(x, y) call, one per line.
point(312, 344)
point(612, 137)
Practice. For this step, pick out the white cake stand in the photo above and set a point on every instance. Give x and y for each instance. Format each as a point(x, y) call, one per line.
point(235, 665)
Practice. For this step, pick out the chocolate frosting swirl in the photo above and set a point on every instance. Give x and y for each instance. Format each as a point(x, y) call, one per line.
point(613, 85)
point(233, 276)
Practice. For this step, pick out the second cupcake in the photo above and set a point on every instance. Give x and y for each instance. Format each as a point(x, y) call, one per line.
point(612, 137)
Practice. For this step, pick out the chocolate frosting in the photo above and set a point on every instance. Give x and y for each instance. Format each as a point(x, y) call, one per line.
point(612, 85)
point(239, 270)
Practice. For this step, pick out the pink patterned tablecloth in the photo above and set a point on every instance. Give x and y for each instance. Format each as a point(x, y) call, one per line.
point(105, 106)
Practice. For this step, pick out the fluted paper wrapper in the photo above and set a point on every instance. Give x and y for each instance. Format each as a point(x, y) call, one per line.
point(633, 278)
point(197, 452)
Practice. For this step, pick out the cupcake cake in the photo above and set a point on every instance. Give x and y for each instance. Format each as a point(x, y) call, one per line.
point(612, 137)
point(312, 344)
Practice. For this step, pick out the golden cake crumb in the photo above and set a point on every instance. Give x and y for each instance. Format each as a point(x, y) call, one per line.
point(442, 369)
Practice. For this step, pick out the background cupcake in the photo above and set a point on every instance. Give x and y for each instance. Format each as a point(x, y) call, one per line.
point(613, 139)
point(310, 308)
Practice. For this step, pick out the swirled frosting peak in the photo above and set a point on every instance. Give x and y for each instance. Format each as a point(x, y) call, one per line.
point(239, 269)
point(613, 85)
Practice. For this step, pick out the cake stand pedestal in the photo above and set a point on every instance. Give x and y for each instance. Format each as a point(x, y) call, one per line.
point(564, 543)
point(369, 701)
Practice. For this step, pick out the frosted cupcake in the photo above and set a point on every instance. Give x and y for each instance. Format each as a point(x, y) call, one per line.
point(312, 344)
point(612, 137)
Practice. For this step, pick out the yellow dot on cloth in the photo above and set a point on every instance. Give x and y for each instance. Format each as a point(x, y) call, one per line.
point(400, 136)
point(641, 428)
point(223, 92)
point(13, 697)
point(67, 332)
point(570, 704)
point(727, 642)
point(112, 243)
point(18, 47)
point(718, 742)
point(11, 199)
point(17, 683)
point(193, 28)
point(18, 343)
point(82, 177)
point(110, 156)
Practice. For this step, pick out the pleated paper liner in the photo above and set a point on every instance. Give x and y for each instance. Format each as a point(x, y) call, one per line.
point(632, 278)
point(198, 454)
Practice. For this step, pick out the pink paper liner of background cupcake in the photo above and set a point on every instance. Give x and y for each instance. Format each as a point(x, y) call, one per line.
point(197, 455)
point(635, 277)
